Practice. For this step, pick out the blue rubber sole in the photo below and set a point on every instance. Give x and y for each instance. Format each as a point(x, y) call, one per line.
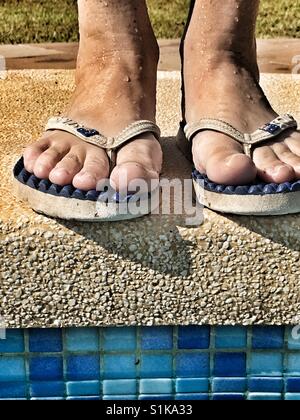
point(68, 191)
point(261, 189)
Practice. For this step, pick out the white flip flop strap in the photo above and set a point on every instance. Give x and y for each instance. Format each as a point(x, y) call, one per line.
point(92, 136)
point(268, 132)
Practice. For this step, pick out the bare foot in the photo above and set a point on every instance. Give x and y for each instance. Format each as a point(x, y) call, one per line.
point(222, 82)
point(115, 86)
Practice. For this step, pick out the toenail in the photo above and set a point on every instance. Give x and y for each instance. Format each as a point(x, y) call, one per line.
point(231, 160)
point(276, 169)
point(41, 168)
point(60, 172)
point(87, 175)
point(30, 164)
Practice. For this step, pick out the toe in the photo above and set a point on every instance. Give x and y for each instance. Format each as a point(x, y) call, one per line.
point(33, 152)
point(95, 170)
point(133, 176)
point(231, 169)
point(139, 164)
point(270, 167)
point(286, 156)
point(222, 159)
point(293, 143)
point(48, 160)
point(68, 167)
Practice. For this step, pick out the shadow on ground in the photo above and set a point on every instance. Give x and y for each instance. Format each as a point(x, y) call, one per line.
point(283, 230)
point(153, 241)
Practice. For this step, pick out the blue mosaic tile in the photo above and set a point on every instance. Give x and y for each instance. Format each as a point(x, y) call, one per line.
point(13, 399)
point(189, 365)
point(157, 338)
point(192, 397)
point(84, 398)
point(230, 365)
point(192, 385)
point(160, 397)
point(294, 338)
point(120, 366)
point(120, 387)
point(45, 340)
point(264, 397)
point(46, 368)
point(12, 369)
point(47, 399)
point(272, 385)
point(148, 364)
point(293, 364)
point(292, 397)
point(83, 368)
point(13, 390)
point(193, 337)
point(154, 386)
point(120, 397)
point(266, 364)
point(119, 339)
point(293, 385)
point(156, 366)
point(47, 389)
point(228, 397)
point(231, 337)
point(82, 339)
point(14, 342)
point(267, 337)
point(83, 388)
point(229, 385)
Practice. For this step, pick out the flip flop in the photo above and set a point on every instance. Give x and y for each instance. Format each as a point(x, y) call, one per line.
point(73, 204)
point(260, 199)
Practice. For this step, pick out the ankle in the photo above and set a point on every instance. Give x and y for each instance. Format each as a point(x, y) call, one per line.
point(136, 51)
point(210, 57)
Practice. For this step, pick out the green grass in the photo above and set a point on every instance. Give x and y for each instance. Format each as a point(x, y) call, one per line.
point(23, 21)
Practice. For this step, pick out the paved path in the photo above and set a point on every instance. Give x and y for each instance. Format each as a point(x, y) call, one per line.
point(275, 55)
point(156, 270)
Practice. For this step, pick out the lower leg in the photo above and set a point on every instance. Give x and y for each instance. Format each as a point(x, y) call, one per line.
point(222, 81)
point(118, 45)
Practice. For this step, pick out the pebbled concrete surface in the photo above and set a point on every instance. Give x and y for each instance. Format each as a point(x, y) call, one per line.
point(230, 270)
